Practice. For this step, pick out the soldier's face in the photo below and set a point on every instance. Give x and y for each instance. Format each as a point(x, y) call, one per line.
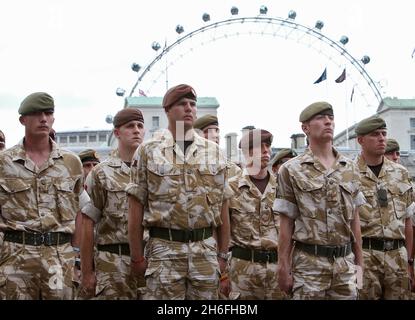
point(182, 113)
point(320, 127)
point(87, 166)
point(211, 132)
point(374, 143)
point(130, 134)
point(260, 155)
point(394, 156)
point(38, 123)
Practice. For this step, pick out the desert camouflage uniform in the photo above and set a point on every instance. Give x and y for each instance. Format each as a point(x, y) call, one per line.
point(180, 192)
point(253, 226)
point(385, 273)
point(233, 169)
point(44, 199)
point(109, 210)
point(322, 203)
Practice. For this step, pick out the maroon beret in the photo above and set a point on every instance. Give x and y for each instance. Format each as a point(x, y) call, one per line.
point(176, 93)
point(248, 137)
point(126, 115)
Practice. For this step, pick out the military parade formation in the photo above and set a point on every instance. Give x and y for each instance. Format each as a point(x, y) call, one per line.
point(172, 218)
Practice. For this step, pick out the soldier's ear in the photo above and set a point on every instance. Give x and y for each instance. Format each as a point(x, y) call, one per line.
point(304, 127)
point(21, 119)
point(117, 132)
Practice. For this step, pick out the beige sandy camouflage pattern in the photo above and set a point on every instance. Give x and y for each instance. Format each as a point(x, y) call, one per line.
point(321, 201)
point(253, 223)
point(254, 226)
point(31, 272)
point(317, 278)
point(385, 222)
point(233, 169)
point(106, 185)
point(385, 274)
point(179, 192)
point(109, 209)
point(42, 199)
point(174, 265)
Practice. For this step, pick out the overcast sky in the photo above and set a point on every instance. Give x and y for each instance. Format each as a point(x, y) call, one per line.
point(81, 51)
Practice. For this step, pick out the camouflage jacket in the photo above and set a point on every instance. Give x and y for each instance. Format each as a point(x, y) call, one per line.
point(387, 221)
point(321, 201)
point(253, 223)
point(44, 199)
point(109, 207)
point(177, 191)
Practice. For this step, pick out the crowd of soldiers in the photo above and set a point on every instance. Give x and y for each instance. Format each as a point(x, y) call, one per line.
point(172, 218)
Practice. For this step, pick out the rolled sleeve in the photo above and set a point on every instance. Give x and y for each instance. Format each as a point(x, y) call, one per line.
point(92, 212)
point(84, 199)
point(359, 199)
point(286, 208)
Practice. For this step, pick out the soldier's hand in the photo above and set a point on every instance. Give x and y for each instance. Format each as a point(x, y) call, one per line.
point(138, 267)
point(285, 281)
point(225, 286)
point(88, 284)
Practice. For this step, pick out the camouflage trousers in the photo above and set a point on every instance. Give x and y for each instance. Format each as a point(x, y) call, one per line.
point(36, 272)
point(321, 278)
point(254, 280)
point(180, 271)
point(385, 275)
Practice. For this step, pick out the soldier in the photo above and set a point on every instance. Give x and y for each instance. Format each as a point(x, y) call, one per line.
point(385, 218)
point(89, 159)
point(40, 186)
point(179, 191)
point(318, 196)
point(254, 234)
point(108, 213)
point(2, 141)
point(207, 126)
point(392, 150)
point(281, 157)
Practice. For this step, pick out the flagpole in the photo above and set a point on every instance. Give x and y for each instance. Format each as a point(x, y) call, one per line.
point(347, 116)
point(165, 56)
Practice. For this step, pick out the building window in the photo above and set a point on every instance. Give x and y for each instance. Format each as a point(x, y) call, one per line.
point(412, 123)
point(82, 139)
point(412, 142)
point(92, 138)
point(72, 139)
point(156, 122)
point(102, 137)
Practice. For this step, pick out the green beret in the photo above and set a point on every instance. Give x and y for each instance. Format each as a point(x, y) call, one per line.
point(35, 102)
point(88, 155)
point(392, 145)
point(176, 93)
point(315, 109)
point(284, 153)
point(370, 124)
point(206, 120)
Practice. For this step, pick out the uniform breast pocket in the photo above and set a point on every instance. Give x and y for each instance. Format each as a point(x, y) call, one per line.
point(309, 195)
point(212, 177)
point(163, 181)
point(242, 217)
point(15, 198)
point(66, 201)
point(116, 205)
point(398, 199)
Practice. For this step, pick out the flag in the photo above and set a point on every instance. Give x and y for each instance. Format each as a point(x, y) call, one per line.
point(322, 77)
point(141, 93)
point(351, 96)
point(342, 77)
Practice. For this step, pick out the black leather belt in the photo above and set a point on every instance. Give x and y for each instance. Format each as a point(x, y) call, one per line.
point(120, 248)
point(382, 244)
point(181, 235)
point(325, 251)
point(37, 238)
point(254, 255)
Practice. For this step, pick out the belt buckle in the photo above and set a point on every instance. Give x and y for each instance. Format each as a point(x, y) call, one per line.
point(387, 245)
point(189, 234)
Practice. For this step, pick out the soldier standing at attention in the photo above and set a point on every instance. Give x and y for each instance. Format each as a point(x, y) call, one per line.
point(108, 212)
point(281, 157)
point(208, 127)
point(318, 198)
point(89, 159)
point(392, 150)
point(385, 218)
point(40, 186)
point(178, 190)
point(254, 234)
